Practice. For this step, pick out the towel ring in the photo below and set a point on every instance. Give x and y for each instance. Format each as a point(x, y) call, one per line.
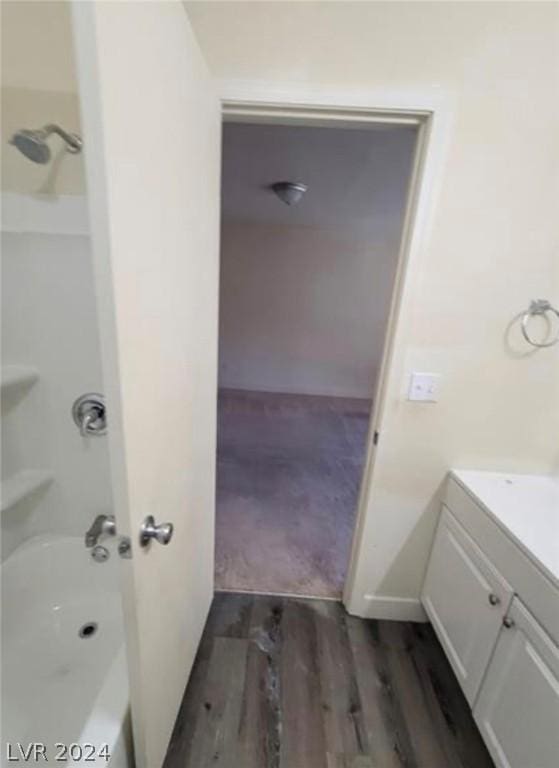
point(539, 307)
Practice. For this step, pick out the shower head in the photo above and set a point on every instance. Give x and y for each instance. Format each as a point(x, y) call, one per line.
point(33, 143)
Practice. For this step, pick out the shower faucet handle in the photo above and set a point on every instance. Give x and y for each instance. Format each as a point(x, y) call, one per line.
point(149, 530)
point(103, 525)
point(89, 414)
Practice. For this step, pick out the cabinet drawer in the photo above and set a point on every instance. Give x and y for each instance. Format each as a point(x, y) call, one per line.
point(517, 709)
point(466, 598)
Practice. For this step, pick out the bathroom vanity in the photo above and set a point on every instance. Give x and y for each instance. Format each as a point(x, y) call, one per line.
point(491, 592)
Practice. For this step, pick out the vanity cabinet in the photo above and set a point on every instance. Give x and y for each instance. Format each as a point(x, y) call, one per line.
point(491, 591)
point(466, 598)
point(517, 710)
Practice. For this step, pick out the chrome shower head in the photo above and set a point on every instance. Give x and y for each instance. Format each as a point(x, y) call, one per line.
point(33, 143)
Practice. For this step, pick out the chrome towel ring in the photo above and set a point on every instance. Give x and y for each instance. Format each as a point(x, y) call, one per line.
point(540, 307)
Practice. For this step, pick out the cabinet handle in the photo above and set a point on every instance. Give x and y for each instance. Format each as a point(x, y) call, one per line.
point(508, 622)
point(494, 599)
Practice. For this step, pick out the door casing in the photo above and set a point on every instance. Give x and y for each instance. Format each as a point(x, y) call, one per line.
point(431, 112)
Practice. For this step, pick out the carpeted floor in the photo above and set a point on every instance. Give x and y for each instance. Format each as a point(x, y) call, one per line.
point(288, 474)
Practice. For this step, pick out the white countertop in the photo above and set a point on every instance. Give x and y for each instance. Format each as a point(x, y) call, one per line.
point(525, 506)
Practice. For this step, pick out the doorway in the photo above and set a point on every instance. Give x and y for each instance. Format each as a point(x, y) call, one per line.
point(305, 297)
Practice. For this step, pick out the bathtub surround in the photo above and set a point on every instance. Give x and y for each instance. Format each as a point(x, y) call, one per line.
point(50, 324)
point(49, 313)
point(288, 475)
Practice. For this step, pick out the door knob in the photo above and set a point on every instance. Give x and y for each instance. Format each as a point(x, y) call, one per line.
point(149, 530)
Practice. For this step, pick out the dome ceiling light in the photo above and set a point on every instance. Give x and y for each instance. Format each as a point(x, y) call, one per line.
point(289, 192)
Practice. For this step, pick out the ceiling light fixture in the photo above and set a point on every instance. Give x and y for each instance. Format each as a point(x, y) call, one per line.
point(289, 192)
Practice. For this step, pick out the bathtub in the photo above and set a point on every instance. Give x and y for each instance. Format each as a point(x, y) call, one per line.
point(64, 673)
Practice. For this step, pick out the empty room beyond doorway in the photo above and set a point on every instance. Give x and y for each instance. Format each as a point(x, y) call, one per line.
point(305, 292)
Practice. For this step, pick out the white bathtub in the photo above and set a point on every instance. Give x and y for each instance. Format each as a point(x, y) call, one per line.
point(56, 685)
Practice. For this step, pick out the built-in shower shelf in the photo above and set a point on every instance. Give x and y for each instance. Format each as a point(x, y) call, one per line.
point(22, 485)
point(18, 376)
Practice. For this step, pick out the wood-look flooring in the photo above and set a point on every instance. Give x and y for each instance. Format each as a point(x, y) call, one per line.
point(294, 683)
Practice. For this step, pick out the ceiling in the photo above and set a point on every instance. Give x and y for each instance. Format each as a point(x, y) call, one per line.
point(355, 176)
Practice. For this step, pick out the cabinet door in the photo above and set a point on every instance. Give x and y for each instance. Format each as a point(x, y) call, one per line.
point(517, 709)
point(465, 598)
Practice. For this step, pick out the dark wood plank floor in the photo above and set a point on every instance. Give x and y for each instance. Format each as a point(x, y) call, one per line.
point(288, 683)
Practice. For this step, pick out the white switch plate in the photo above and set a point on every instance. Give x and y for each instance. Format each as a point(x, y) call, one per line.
point(424, 387)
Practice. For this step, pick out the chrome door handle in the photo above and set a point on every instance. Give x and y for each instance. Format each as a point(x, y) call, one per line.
point(149, 530)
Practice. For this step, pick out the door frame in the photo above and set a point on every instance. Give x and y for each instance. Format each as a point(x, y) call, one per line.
point(431, 110)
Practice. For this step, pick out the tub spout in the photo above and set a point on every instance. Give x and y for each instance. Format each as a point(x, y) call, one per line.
point(101, 526)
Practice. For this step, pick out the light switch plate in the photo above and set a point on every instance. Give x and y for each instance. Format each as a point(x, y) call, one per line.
point(424, 387)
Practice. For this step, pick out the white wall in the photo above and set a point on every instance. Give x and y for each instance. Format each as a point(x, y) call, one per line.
point(305, 290)
point(491, 247)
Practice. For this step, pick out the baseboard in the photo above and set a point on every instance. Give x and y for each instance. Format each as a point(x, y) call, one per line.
point(389, 608)
point(310, 392)
point(369, 607)
point(260, 593)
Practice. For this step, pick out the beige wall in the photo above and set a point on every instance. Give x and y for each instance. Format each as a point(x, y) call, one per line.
point(38, 87)
point(37, 49)
point(493, 244)
point(303, 310)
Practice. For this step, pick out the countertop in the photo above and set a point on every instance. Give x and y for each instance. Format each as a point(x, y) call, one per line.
point(525, 506)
